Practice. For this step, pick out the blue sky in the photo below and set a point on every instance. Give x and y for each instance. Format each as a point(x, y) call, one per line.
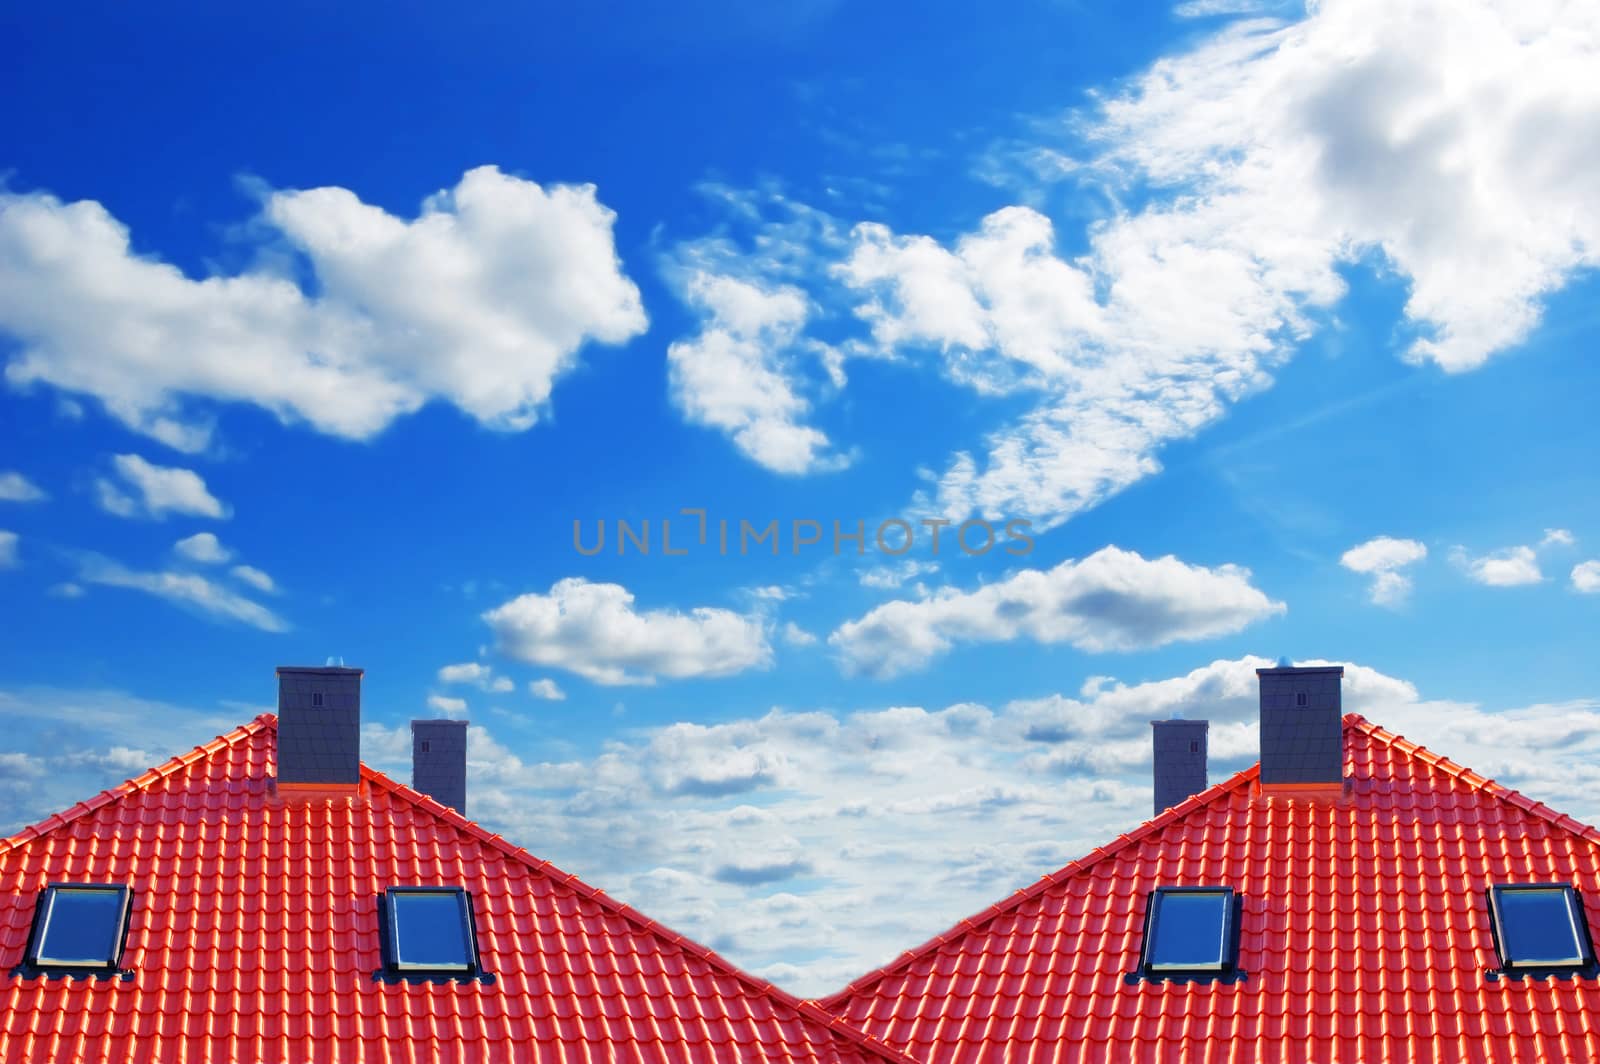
point(321, 330)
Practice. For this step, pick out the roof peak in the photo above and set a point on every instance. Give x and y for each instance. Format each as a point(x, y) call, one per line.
point(266, 724)
point(1350, 722)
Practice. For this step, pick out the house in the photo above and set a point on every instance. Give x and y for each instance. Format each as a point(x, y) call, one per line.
point(1352, 899)
point(268, 899)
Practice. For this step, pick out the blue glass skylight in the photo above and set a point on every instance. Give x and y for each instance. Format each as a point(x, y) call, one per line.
point(1540, 926)
point(1189, 929)
point(79, 926)
point(431, 930)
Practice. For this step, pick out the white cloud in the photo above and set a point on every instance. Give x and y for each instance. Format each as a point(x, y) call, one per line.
point(189, 590)
point(1586, 577)
point(1111, 600)
point(1511, 567)
point(482, 300)
point(480, 676)
point(67, 590)
point(595, 631)
point(257, 579)
point(447, 705)
point(8, 550)
point(203, 547)
point(735, 374)
point(156, 491)
point(1558, 537)
point(1210, 8)
point(546, 689)
point(14, 487)
point(1448, 140)
point(888, 577)
point(1383, 557)
point(796, 636)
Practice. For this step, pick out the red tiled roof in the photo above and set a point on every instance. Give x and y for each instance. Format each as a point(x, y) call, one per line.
point(255, 937)
point(1365, 935)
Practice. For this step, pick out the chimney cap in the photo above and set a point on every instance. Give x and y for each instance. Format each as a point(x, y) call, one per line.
point(325, 670)
point(1289, 670)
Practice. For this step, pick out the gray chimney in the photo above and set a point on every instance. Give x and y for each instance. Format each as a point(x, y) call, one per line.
point(319, 725)
point(439, 761)
point(1302, 730)
point(1180, 760)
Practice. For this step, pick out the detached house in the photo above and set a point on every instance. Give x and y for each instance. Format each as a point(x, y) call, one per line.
point(268, 899)
point(1352, 899)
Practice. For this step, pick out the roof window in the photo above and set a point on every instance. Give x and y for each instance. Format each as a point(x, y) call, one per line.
point(429, 931)
point(1540, 926)
point(1190, 931)
point(79, 927)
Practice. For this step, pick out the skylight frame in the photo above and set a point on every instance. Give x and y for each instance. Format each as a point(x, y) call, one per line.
point(1227, 963)
point(1584, 958)
point(393, 960)
point(37, 957)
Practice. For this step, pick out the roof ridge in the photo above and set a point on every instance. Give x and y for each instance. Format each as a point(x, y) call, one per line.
point(133, 784)
point(269, 722)
point(1350, 722)
point(804, 1007)
point(1476, 780)
point(977, 920)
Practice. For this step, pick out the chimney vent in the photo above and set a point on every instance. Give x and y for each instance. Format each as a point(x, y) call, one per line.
point(319, 725)
point(1180, 760)
point(439, 761)
point(1302, 725)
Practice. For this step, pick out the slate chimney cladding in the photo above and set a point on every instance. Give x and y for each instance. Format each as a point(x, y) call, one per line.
point(1302, 732)
point(319, 725)
point(1180, 760)
point(439, 761)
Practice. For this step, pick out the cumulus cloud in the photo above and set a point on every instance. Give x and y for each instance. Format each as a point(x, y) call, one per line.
point(546, 689)
point(478, 675)
point(1445, 140)
point(888, 577)
point(8, 549)
point(257, 579)
point(188, 590)
point(482, 300)
point(1111, 600)
point(14, 487)
point(447, 705)
point(595, 630)
point(1586, 577)
point(1383, 558)
point(144, 489)
point(751, 371)
point(734, 375)
point(203, 547)
point(1510, 567)
point(796, 636)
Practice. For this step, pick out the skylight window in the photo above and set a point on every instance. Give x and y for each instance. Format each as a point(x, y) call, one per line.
point(1540, 925)
point(1189, 931)
point(79, 926)
point(430, 930)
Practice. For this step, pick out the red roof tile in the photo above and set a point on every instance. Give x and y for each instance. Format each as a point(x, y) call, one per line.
point(255, 937)
point(1365, 935)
